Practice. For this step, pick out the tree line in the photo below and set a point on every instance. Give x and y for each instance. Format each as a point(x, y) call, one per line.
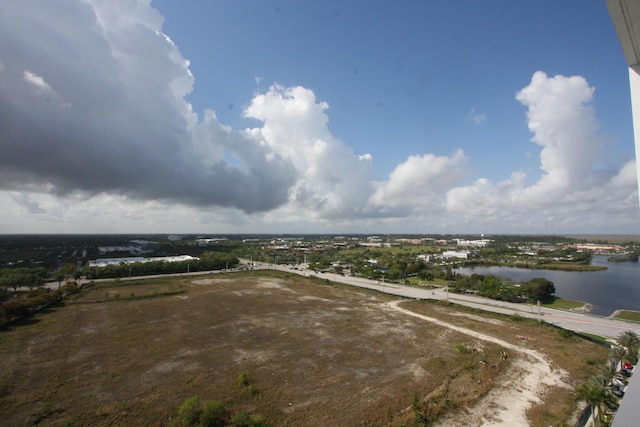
point(538, 289)
point(22, 292)
point(208, 261)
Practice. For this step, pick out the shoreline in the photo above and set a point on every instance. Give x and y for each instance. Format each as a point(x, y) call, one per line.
point(616, 314)
point(586, 308)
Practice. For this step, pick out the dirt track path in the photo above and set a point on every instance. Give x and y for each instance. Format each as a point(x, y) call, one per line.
point(506, 404)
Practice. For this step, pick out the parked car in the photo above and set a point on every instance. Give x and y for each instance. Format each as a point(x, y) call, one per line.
point(627, 365)
point(618, 383)
point(617, 391)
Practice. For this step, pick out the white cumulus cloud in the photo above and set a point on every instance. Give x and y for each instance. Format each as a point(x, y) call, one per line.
point(97, 134)
point(573, 188)
point(420, 183)
point(476, 117)
point(119, 122)
point(333, 181)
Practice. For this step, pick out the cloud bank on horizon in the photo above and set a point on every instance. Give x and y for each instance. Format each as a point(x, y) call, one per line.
point(97, 135)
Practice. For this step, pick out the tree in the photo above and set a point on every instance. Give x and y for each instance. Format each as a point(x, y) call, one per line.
point(14, 309)
point(618, 354)
point(539, 289)
point(59, 278)
point(630, 341)
point(593, 394)
point(15, 278)
point(190, 411)
point(66, 271)
point(426, 274)
point(597, 394)
point(244, 419)
point(610, 372)
point(214, 414)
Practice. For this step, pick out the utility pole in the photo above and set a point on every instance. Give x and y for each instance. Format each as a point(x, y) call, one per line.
point(539, 313)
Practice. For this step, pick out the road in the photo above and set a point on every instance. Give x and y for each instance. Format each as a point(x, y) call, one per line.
point(577, 322)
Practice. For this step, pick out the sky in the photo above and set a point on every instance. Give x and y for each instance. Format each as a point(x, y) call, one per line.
point(306, 116)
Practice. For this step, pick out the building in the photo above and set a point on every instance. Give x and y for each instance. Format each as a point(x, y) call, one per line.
point(473, 243)
point(103, 262)
point(427, 257)
point(455, 254)
point(625, 15)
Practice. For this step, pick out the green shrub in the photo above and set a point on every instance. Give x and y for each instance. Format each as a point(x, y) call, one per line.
point(251, 390)
point(190, 411)
point(243, 380)
point(244, 419)
point(462, 349)
point(214, 414)
point(565, 333)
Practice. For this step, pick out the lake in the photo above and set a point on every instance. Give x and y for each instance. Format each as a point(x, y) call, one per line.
point(618, 287)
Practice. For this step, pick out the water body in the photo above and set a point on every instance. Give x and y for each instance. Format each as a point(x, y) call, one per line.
point(617, 287)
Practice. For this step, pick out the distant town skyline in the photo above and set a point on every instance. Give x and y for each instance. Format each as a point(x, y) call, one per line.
point(142, 116)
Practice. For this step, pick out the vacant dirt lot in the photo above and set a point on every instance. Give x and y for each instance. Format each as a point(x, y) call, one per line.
point(316, 354)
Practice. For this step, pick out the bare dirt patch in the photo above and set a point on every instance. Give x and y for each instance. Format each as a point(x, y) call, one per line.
point(317, 355)
point(537, 389)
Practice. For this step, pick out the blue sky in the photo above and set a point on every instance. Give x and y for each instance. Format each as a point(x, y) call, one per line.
point(308, 116)
point(404, 74)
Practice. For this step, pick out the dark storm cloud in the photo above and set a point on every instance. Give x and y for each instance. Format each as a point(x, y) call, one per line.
point(92, 101)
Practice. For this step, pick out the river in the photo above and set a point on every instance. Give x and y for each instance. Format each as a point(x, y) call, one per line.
point(617, 287)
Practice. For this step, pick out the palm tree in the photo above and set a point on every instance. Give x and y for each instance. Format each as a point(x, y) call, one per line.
point(591, 394)
point(596, 393)
point(618, 353)
point(630, 341)
point(610, 373)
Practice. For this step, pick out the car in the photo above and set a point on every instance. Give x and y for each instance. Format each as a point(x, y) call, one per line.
point(618, 383)
point(617, 392)
point(625, 373)
point(627, 365)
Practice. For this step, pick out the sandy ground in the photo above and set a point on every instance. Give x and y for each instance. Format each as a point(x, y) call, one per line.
point(506, 404)
point(287, 335)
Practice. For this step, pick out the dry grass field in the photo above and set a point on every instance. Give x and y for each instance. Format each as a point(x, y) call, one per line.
point(316, 354)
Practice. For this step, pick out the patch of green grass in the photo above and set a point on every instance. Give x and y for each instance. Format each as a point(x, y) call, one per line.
point(462, 348)
point(630, 316)
point(595, 337)
point(563, 304)
point(565, 333)
point(570, 266)
point(516, 317)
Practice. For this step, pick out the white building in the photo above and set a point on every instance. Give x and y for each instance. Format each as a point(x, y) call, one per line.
point(103, 262)
point(474, 243)
point(455, 254)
